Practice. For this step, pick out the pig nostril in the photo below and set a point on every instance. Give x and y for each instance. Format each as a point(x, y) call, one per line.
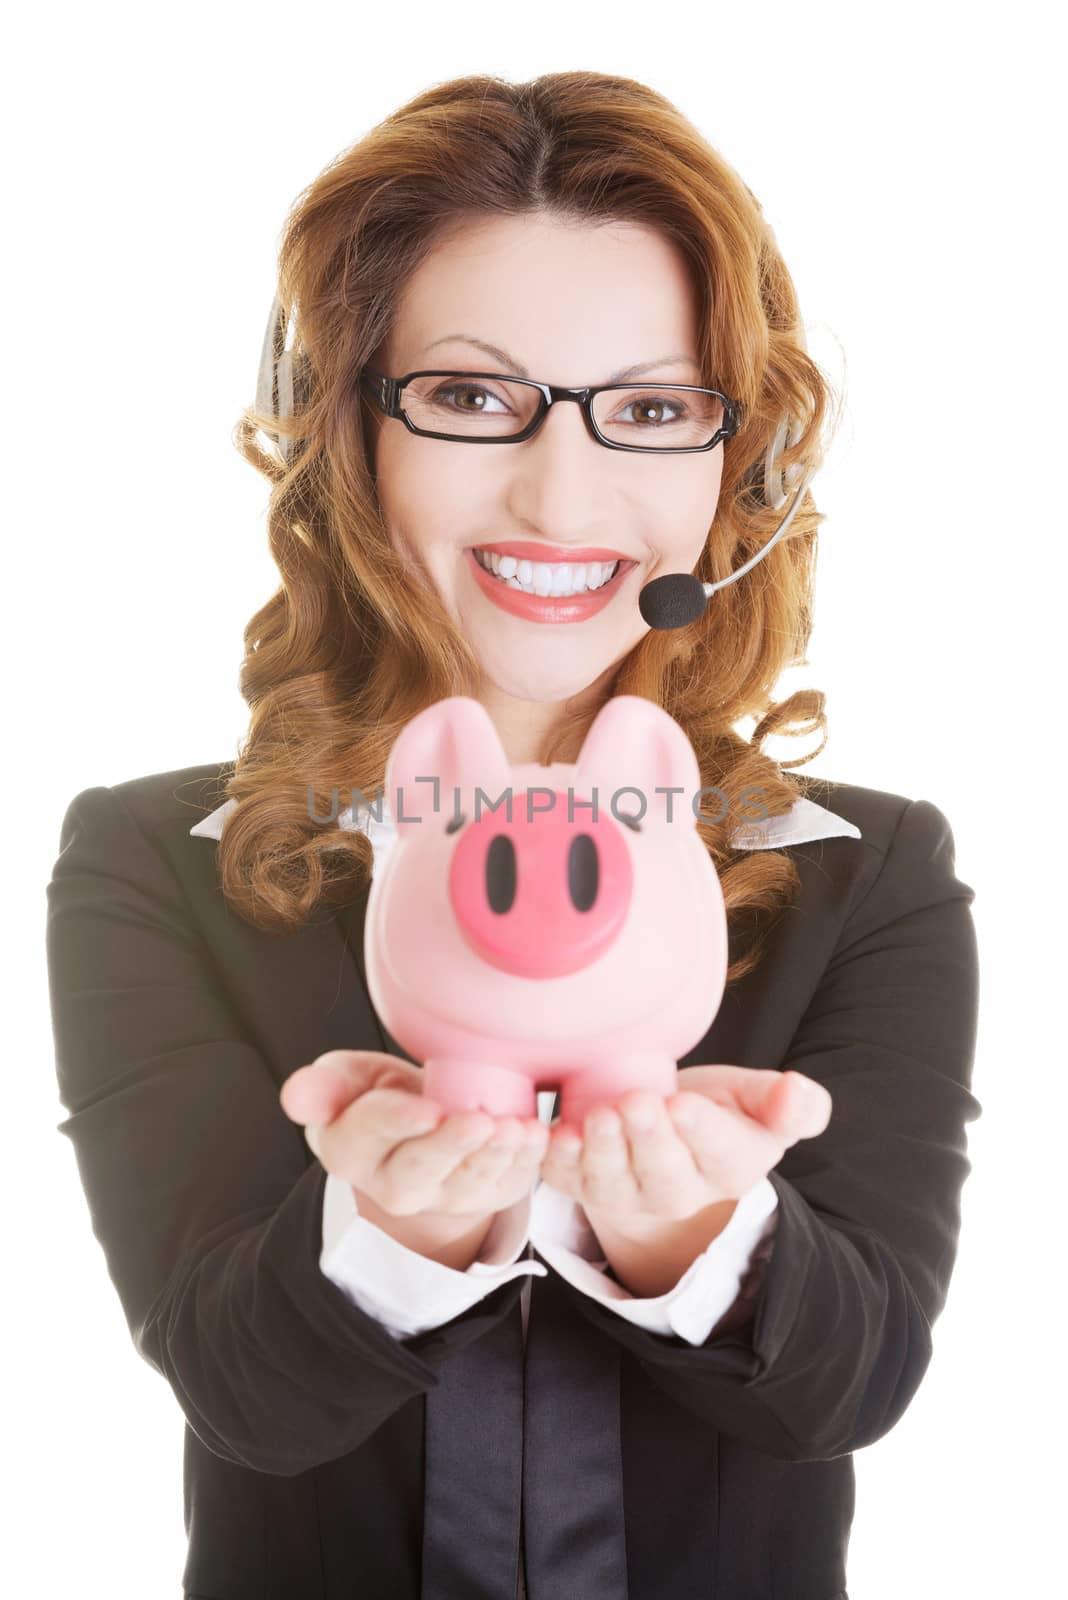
point(583, 873)
point(500, 873)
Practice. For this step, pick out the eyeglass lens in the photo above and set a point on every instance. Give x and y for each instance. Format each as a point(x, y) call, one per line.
point(654, 416)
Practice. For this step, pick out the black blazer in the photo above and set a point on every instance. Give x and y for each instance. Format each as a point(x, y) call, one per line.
point(326, 1458)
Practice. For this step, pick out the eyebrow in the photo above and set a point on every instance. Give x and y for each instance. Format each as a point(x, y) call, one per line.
point(510, 364)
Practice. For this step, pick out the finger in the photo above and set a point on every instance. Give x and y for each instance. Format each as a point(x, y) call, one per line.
point(456, 1168)
point(730, 1151)
point(607, 1181)
point(505, 1165)
point(663, 1164)
point(320, 1091)
point(561, 1163)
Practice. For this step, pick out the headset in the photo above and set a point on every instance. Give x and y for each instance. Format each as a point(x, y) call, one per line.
point(671, 601)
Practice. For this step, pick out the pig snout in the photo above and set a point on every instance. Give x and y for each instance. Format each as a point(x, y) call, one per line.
point(541, 896)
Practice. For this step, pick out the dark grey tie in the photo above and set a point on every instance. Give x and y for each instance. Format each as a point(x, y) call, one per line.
point(543, 1434)
point(572, 1456)
point(474, 1468)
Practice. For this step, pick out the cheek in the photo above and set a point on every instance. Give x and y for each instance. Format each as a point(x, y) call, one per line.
point(694, 510)
point(424, 486)
point(707, 486)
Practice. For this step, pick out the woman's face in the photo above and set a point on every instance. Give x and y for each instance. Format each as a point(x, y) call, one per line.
point(572, 305)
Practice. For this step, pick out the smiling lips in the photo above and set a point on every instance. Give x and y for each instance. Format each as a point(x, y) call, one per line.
point(562, 578)
point(550, 570)
point(506, 592)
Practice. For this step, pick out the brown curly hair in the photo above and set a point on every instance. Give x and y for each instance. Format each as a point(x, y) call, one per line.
point(349, 649)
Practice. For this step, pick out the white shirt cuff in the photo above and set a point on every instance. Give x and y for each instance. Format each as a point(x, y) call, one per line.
point(560, 1231)
point(408, 1293)
point(405, 1291)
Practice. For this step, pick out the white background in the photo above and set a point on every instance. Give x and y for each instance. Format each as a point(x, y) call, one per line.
point(909, 161)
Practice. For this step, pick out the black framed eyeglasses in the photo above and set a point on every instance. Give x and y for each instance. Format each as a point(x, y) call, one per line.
point(496, 408)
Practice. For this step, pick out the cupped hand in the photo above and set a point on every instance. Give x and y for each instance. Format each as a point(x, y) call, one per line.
point(664, 1159)
point(366, 1118)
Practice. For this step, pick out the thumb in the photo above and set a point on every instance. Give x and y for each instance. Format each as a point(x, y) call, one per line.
point(321, 1091)
point(802, 1109)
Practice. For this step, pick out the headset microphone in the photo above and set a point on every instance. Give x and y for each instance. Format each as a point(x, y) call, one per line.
point(678, 598)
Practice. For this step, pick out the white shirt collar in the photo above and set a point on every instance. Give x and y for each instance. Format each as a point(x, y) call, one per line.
point(803, 823)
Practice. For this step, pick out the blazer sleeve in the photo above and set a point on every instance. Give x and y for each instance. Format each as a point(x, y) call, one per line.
point(831, 1336)
point(202, 1193)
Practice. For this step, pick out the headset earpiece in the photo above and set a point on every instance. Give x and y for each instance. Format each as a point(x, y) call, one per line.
point(780, 481)
point(280, 374)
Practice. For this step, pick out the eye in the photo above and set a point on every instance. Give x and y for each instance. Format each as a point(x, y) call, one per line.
point(449, 390)
point(647, 403)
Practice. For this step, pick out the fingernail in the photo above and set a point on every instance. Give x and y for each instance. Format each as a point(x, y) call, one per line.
point(311, 1134)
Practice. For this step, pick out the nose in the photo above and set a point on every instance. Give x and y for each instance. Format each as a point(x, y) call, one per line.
point(542, 895)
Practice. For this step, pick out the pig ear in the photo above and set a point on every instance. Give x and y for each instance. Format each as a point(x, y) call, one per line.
point(454, 742)
point(634, 745)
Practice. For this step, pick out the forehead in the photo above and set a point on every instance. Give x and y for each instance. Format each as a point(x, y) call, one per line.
point(550, 290)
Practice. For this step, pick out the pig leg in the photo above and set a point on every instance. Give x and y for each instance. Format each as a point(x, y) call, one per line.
point(458, 1085)
point(606, 1082)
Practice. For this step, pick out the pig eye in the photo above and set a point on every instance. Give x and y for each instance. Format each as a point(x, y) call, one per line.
point(454, 823)
point(500, 873)
point(632, 823)
point(583, 873)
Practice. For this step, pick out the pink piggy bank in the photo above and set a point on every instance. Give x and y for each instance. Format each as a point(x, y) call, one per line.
point(545, 927)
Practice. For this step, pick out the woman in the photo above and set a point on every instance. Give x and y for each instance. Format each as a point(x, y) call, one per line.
point(720, 1314)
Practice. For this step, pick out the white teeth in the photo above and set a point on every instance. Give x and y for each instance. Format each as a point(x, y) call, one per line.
point(544, 578)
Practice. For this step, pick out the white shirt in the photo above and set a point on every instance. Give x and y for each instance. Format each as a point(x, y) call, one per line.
point(408, 1293)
